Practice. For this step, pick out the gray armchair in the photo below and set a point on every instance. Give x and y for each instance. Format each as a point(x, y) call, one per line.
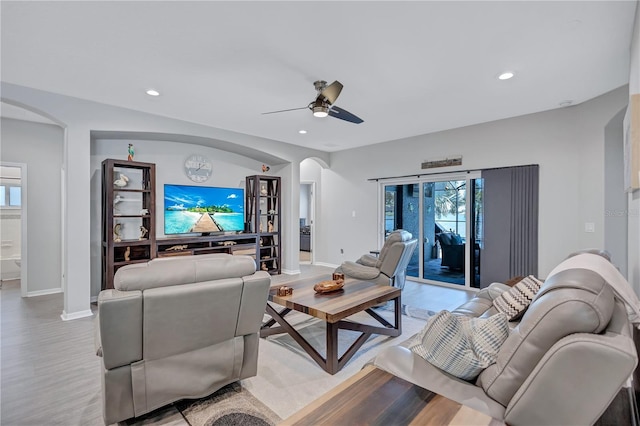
point(389, 267)
point(180, 327)
point(452, 250)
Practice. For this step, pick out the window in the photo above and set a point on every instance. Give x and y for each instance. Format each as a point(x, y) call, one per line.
point(10, 196)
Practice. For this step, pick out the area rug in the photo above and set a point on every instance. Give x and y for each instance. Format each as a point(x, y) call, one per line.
point(288, 379)
point(230, 406)
point(411, 311)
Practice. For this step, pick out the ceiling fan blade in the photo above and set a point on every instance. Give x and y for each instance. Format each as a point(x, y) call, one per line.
point(331, 92)
point(285, 110)
point(344, 115)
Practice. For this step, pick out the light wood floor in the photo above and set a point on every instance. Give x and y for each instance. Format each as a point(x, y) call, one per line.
point(50, 374)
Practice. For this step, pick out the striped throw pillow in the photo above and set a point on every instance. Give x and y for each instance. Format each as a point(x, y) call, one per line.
point(461, 346)
point(515, 301)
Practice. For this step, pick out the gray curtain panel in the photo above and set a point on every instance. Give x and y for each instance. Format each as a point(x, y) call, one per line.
point(511, 223)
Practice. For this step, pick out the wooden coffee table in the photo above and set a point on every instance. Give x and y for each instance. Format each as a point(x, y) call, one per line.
point(375, 397)
point(333, 308)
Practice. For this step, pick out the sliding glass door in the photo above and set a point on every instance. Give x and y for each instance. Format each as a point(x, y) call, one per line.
point(402, 211)
point(445, 214)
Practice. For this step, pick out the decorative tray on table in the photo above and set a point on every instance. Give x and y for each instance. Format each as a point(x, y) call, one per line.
point(328, 286)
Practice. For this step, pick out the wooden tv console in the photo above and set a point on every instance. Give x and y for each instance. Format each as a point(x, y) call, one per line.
point(247, 244)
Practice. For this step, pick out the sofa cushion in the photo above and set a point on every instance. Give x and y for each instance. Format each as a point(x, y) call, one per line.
point(515, 301)
point(461, 346)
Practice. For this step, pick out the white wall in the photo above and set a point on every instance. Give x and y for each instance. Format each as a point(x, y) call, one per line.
point(633, 206)
point(615, 198)
point(229, 170)
point(567, 143)
point(80, 119)
point(39, 146)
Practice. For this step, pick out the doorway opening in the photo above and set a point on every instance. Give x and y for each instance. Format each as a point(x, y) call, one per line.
point(307, 212)
point(13, 223)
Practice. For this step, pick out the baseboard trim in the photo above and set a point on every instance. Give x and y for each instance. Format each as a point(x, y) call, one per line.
point(328, 265)
point(291, 271)
point(76, 315)
point(44, 292)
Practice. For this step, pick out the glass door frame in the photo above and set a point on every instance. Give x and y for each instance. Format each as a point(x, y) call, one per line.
point(420, 180)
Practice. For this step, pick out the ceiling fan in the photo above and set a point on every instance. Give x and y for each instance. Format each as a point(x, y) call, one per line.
point(324, 103)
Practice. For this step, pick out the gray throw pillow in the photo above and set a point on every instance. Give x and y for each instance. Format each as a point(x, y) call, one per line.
point(459, 345)
point(515, 301)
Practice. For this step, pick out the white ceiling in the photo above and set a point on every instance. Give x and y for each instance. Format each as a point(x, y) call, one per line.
point(408, 68)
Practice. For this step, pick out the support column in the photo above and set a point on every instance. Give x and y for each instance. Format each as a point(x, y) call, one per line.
point(77, 219)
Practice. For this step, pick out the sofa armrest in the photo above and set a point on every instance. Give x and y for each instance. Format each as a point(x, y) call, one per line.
point(575, 366)
point(120, 327)
point(492, 291)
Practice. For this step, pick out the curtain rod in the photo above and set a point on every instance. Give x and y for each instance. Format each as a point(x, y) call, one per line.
point(418, 175)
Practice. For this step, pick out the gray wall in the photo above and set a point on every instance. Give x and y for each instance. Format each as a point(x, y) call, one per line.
point(567, 143)
point(39, 146)
point(615, 199)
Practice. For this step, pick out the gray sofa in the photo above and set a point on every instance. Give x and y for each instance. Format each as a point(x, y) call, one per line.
point(180, 327)
point(562, 364)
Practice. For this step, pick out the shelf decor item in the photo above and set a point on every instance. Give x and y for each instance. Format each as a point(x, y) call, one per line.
point(122, 181)
point(328, 286)
point(285, 291)
point(143, 231)
point(130, 152)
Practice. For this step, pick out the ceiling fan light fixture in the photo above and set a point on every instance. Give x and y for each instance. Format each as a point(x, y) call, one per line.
point(320, 111)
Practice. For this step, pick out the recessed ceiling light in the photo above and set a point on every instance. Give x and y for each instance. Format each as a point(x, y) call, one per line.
point(302, 132)
point(565, 103)
point(505, 75)
point(153, 92)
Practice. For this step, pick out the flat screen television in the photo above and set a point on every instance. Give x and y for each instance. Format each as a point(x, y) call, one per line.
point(202, 209)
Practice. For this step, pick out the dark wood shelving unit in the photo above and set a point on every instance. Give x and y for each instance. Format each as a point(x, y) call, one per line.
point(264, 219)
point(123, 205)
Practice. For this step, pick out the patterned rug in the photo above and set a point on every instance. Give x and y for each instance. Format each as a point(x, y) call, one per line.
point(230, 406)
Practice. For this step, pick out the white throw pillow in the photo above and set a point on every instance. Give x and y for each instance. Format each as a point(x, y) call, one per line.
point(462, 346)
point(515, 301)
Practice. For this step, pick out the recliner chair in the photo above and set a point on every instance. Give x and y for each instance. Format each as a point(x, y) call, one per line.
point(179, 327)
point(389, 268)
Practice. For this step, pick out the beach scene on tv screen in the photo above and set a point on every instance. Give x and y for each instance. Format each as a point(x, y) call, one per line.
point(203, 209)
